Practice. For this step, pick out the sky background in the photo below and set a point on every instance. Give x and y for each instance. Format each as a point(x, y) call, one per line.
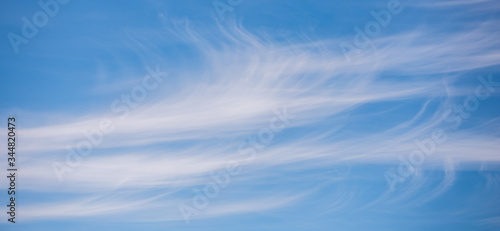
point(311, 120)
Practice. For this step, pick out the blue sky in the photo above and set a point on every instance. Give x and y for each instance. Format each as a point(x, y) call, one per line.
point(252, 115)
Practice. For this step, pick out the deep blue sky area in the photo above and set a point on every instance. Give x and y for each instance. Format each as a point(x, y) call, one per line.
point(251, 115)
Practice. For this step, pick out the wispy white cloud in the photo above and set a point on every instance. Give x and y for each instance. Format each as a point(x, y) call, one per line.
point(241, 79)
